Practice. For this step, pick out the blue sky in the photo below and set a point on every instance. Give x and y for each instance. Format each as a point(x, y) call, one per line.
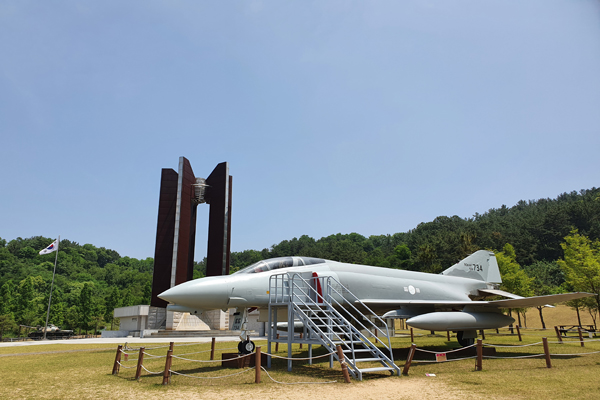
point(335, 116)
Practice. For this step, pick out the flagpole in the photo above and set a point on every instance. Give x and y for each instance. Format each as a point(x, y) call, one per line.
point(51, 287)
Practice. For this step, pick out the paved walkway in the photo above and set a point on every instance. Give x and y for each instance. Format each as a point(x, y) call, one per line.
point(122, 340)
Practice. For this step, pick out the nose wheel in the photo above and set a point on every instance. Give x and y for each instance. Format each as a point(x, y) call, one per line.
point(246, 347)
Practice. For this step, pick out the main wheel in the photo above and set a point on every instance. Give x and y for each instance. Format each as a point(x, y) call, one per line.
point(246, 347)
point(464, 342)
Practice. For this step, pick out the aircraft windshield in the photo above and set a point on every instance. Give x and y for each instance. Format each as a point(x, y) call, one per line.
point(280, 262)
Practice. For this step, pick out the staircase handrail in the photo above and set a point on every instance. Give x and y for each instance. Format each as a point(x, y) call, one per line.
point(356, 299)
point(328, 279)
point(292, 288)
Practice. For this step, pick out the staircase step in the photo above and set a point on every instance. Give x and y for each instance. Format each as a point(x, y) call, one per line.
point(326, 328)
point(336, 342)
point(363, 370)
point(368, 359)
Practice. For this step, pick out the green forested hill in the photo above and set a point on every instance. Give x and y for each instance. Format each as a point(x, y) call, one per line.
point(91, 281)
point(535, 229)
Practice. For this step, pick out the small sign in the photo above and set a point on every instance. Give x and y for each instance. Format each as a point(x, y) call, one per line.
point(439, 357)
point(429, 374)
point(237, 323)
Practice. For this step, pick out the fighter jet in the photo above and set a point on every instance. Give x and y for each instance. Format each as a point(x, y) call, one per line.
point(453, 300)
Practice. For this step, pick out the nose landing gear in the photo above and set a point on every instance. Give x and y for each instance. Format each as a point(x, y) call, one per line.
point(245, 346)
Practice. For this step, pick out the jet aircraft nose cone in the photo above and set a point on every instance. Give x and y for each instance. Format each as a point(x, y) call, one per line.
point(208, 293)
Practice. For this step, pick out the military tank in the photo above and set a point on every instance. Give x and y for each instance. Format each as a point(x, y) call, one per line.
point(52, 332)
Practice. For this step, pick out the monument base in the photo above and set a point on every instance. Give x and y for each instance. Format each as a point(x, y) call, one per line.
point(208, 320)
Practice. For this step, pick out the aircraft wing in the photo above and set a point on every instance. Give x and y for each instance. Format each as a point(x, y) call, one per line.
point(398, 303)
point(538, 300)
point(518, 302)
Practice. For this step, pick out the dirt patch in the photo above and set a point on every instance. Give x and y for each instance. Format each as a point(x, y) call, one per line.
point(381, 389)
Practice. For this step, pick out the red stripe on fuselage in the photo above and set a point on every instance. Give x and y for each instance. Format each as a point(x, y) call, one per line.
point(319, 289)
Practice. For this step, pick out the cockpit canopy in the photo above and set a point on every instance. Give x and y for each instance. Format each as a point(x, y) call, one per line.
point(279, 262)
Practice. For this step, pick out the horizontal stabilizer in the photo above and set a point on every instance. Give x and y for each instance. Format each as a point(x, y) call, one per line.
point(538, 301)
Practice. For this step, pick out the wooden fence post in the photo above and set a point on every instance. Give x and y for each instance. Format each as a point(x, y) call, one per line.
point(138, 371)
point(519, 333)
point(448, 334)
point(167, 371)
point(547, 353)
point(277, 344)
point(482, 335)
point(257, 365)
point(479, 362)
point(412, 335)
point(117, 364)
point(580, 336)
point(411, 354)
point(343, 364)
point(171, 345)
point(558, 336)
point(212, 349)
point(301, 335)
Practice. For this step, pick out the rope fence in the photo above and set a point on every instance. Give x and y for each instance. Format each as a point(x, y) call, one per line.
point(211, 377)
point(123, 351)
point(480, 356)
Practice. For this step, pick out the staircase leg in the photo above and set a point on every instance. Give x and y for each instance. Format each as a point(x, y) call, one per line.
point(290, 335)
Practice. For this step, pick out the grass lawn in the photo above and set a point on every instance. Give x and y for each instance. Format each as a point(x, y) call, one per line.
point(59, 371)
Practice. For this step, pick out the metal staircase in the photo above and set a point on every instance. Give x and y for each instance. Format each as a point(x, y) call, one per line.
point(330, 319)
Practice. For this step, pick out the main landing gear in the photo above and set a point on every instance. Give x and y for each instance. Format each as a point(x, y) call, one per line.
point(465, 341)
point(245, 346)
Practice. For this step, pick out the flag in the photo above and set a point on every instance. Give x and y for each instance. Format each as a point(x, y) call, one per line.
point(51, 248)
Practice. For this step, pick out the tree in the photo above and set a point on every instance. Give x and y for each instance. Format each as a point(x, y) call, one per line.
point(7, 323)
point(72, 318)
point(403, 255)
point(547, 279)
point(6, 298)
point(581, 265)
point(127, 299)
point(514, 278)
point(111, 301)
point(427, 256)
point(29, 301)
point(86, 307)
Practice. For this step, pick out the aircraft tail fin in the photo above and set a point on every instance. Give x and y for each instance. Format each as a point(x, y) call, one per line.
point(481, 265)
